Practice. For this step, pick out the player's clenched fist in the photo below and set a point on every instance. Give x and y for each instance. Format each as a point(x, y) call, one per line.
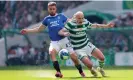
point(66, 34)
point(23, 31)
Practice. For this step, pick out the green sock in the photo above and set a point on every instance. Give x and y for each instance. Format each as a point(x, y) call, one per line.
point(101, 64)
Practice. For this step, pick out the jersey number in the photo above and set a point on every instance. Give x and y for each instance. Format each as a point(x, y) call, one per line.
point(90, 45)
point(68, 45)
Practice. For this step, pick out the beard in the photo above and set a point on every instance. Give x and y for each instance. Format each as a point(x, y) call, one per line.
point(52, 14)
point(80, 22)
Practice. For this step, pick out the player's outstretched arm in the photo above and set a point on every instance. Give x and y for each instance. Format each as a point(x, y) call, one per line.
point(109, 25)
point(33, 30)
point(63, 32)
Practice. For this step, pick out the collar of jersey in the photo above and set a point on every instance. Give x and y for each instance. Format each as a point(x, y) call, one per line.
point(54, 15)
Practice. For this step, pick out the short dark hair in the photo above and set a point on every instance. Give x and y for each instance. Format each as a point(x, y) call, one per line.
point(52, 4)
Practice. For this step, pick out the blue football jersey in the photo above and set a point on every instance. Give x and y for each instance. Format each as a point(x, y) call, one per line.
point(55, 24)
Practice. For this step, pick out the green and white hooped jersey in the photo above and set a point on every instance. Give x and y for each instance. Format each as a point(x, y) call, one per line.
point(78, 36)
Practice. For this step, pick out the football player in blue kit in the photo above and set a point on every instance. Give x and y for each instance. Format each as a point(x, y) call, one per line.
point(55, 22)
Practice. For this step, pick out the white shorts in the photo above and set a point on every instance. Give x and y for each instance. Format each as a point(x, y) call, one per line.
point(61, 44)
point(86, 51)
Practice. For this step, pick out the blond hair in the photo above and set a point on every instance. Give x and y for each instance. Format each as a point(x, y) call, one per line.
point(77, 13)
point(52, 4)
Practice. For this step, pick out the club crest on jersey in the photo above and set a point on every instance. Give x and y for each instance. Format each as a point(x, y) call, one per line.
point(58, 17)
point(48, 19)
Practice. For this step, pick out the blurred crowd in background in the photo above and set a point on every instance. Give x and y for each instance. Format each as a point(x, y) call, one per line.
point(124, 20)
point(116, 40)
point(21, 14)
point(110, 40)
point(28, 55)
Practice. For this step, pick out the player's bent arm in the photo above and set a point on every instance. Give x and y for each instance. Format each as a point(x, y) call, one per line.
point(63, 32)
point(37, 29)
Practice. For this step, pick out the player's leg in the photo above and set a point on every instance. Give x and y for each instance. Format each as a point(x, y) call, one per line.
point(87, 62)
point(53, 49)
point(77, 63)
point(99, 55)
point(67, 45)
point(96, 53)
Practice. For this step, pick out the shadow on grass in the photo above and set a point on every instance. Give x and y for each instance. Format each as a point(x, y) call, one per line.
point(79, 77)
point(83, 77)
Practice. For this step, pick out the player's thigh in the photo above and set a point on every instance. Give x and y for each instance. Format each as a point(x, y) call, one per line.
point(81, 53)
point(90, 48)
point(54, 48)
point(98, 54)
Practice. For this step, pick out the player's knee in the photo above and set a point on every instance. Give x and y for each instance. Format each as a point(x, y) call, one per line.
point(89, 65)
point(52, 52)
point(52, 55)
point(102, 58)
point(100, 55)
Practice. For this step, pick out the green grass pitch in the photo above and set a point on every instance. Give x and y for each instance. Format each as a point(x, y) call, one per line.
point(43, 73)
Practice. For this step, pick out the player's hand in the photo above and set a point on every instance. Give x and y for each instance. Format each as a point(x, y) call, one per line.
point(111, 24)
point(23, 31)
point(66, 34)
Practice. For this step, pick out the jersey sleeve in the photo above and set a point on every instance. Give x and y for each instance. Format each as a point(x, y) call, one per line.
point(44, 22)
point(89, 25)
point(64, 18)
